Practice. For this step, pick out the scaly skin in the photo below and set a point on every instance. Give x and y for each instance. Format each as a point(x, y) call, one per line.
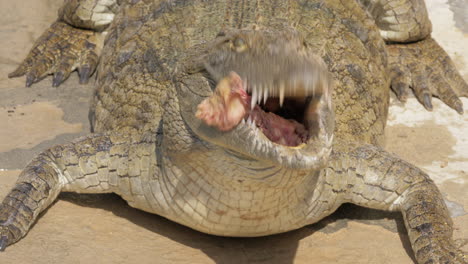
point(89, 14)
point(60, 49)
point(378, 180)
point(161, 59)
point(400, 20)
point(408, 64)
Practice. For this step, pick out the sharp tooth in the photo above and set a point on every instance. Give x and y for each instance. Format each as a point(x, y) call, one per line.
point(272, 92)
point(317, 87)
point(294, 87)
point(260, 94)
point(253, 101)
point(281, 94)
point(307, 87)
point(265, 95)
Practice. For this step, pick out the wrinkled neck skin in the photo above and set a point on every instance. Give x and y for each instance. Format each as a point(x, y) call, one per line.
point(232, 171)
point(249, 197)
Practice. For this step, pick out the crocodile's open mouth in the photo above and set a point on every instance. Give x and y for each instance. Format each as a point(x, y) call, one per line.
point(285, 112)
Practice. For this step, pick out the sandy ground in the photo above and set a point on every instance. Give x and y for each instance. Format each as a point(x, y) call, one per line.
point(103, 229)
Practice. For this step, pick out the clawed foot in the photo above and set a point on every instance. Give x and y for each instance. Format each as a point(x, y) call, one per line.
point(441, 252)
point(428, 70)
point(9, 231)
point(5, 234)
point(3, 243)
point(60, 50)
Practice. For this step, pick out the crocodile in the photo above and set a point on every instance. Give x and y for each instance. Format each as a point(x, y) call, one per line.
point(242, 118)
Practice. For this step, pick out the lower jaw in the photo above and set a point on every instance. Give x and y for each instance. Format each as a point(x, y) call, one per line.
point(311, 155)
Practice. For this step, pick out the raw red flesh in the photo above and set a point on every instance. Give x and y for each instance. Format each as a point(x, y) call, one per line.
point(227, 106)
point(230, 103)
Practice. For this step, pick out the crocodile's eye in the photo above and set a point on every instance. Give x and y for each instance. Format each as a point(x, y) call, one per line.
point(239, 45)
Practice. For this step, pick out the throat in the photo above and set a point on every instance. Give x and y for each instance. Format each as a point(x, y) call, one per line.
point(237, 196)
point(231, 171)
point(288, 132)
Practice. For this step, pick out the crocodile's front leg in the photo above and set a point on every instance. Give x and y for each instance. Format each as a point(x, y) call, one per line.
point(371, 177)
point(93, 164)
point(416, 60)
point(74, 41)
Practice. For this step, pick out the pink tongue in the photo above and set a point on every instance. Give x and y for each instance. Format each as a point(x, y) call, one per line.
point(279, 130)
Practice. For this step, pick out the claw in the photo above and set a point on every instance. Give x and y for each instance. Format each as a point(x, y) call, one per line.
point(458, 106)
point(85, 73)
point(30, 78)
point(59, 49)
point(3, 243)
point(58, 79)
point(427, 101)
point(401, 91)
point(414, 64)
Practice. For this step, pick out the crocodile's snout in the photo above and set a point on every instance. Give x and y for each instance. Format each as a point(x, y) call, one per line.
point(268, 81)
point(268, 98)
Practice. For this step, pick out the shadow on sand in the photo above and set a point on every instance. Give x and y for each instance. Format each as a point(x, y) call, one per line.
point(273, 249)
